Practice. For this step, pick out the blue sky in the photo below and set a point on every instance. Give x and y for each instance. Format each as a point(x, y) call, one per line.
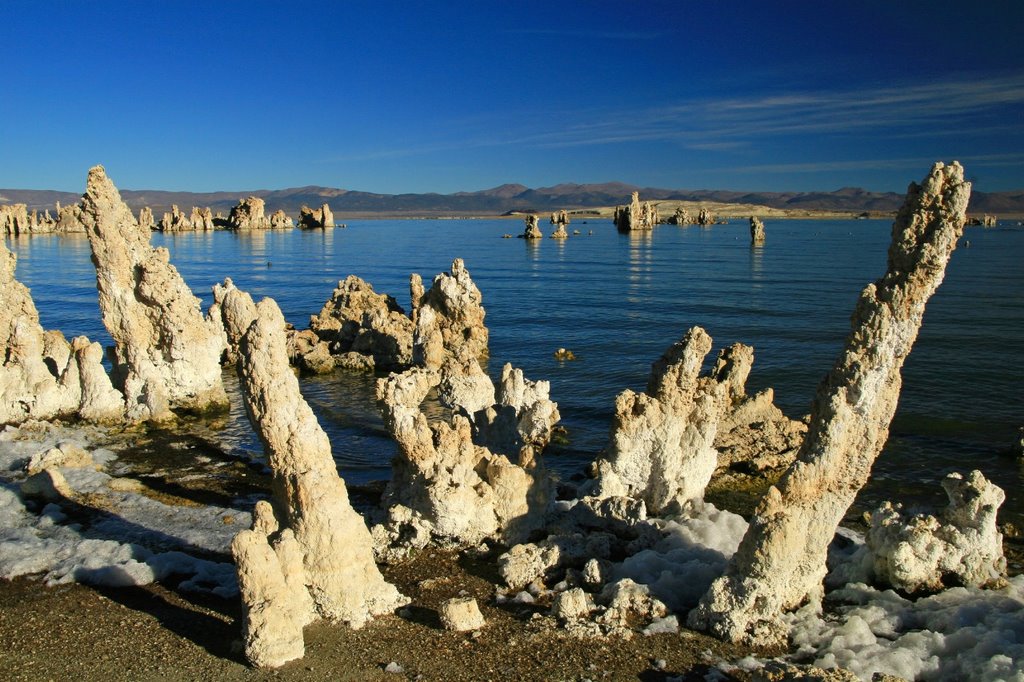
point(447, 96)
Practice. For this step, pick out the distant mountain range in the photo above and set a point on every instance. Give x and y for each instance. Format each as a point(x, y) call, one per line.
point(505, 199)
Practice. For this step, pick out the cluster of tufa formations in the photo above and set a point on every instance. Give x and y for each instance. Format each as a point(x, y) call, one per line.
point(636, 216)
point(605, 554)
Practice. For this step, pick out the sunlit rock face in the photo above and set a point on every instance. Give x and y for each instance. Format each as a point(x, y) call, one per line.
point(358, 319)
point(781, 561)
point(532, 230)
point(249, 214)
point(174, 221)
point(661, 447)
point(167, 355)
point(445, 485)
point(201, 219)
point(279, 220)
point(636, 216)
point(449, 318)
point(42, 376)
point(310, 499)
point(960, 546)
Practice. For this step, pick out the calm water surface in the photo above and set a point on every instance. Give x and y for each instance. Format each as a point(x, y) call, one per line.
point(617, 302)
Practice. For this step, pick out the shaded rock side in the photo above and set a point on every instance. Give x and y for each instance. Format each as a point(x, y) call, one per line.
point(781, 560)
point(753, 434)
point(358, 319)
point(756, 230)
point(449, 318)
point(249, 214)
point(167, 355)
point(318, 218)
point(960, 546)
point(445, 486)
point(661, 446)
point(310, 497)
point(42, 376)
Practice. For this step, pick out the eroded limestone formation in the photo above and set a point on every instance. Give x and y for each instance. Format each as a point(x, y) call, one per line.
point(704, 217)
point(175, 221)
point(201, 219)
point(781, 560)
point(279, 220)
point(532, 229)
point(357, 319)
point(248, 214)
point(753, 434)
point(146, 219)
point(167, 355)
point(560, 218)
point(14, 219)
point(661, 448)
point(42, 376)
point(681, 217)
point(960, 546)
point(310, 499)
point(449, 317)
point(444, 485)
point(636, 216)
point(69, 218)
point(756, 230)
point(316, 218)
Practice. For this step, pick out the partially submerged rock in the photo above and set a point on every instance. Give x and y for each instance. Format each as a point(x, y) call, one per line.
point(175, 221)
point(316, 218)
point(167, 355)
point(704, 217)
point(532, 229)
point(310, 498)
point(279, 220)
point(358, 319)
point(42, 376)
point(960, 546)
point(781, 561)
point(681, 217)
point(449, 318)
point(636, 216)
point(248, 214)
point(756, 230)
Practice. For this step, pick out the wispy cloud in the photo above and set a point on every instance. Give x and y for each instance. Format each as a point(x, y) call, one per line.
point(980, 160)
point(939, 107)
point(962, 108)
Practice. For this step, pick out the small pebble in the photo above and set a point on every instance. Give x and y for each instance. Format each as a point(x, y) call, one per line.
point(393, 667)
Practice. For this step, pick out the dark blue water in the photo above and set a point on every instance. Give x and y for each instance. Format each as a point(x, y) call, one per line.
point(617, 302)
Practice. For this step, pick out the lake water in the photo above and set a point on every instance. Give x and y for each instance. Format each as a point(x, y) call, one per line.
point(617, 301)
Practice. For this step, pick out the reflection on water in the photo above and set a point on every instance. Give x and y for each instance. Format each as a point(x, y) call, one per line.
point(617, 302)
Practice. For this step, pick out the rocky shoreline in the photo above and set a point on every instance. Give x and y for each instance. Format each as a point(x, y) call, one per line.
point(473, 534)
